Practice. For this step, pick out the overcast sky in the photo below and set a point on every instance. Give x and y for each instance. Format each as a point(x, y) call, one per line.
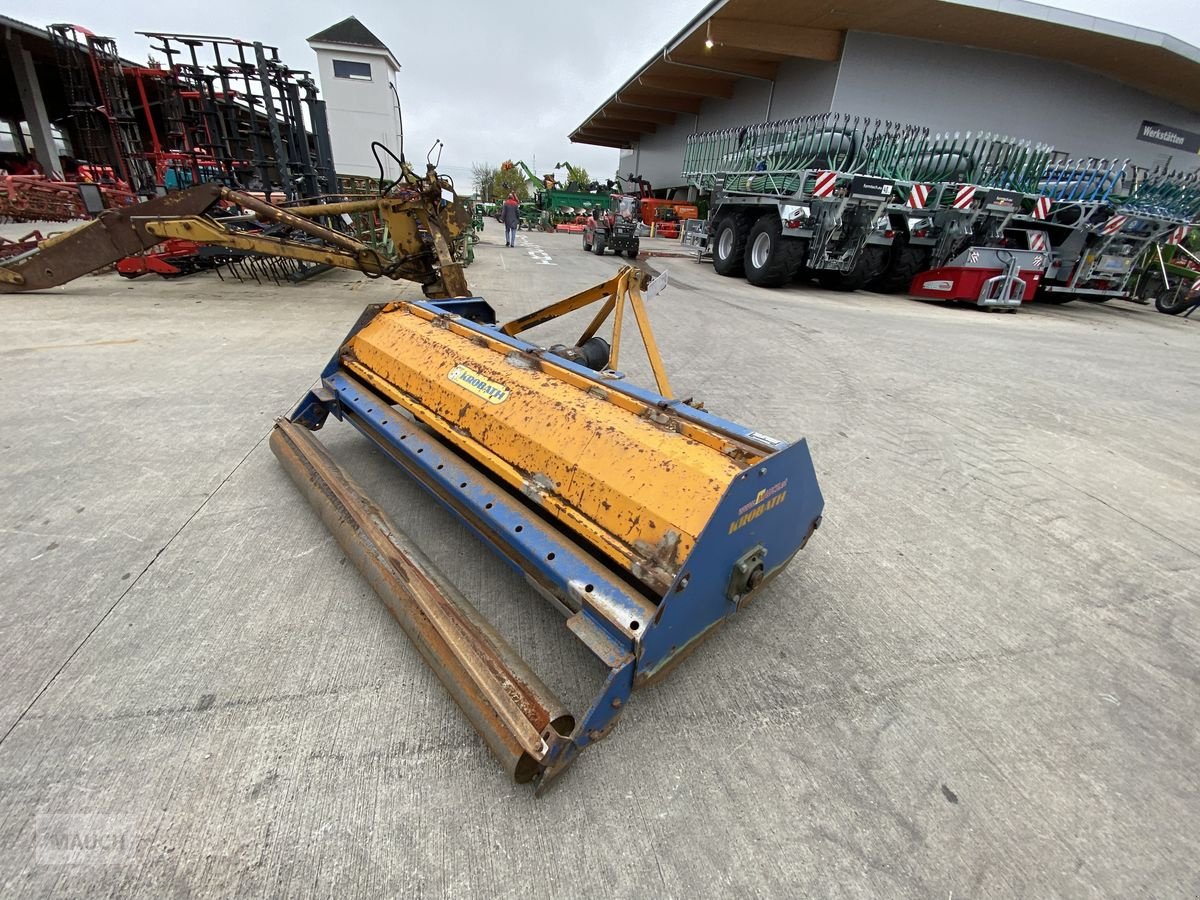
point(494, 80)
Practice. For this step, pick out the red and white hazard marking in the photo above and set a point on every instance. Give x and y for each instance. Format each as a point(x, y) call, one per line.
point(917, 196)
point(1178, 234)
point(1038, 241)
point(1041, 209)
point(964, 197)
point(826, 182)
point(1113, 225)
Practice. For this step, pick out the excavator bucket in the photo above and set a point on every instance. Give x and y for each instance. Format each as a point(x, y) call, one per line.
point(645, 520)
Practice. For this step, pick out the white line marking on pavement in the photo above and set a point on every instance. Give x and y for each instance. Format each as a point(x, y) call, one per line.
point(536, 253)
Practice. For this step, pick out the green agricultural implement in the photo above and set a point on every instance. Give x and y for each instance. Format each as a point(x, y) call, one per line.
point(563, 206)
point(1168, 275)
point(1100, 218)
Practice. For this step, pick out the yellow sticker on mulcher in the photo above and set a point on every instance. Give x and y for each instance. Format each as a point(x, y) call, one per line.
point(491, 391)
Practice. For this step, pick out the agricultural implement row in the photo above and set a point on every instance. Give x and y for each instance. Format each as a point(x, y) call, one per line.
point(1100, 218)
point(426, 234)
point(36, 198)
point(979, 218)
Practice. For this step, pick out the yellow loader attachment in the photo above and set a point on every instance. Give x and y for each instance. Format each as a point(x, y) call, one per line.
point(423, 218)
point(644, 519)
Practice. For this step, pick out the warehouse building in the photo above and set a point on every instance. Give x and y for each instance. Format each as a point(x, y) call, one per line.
point(1088, 86)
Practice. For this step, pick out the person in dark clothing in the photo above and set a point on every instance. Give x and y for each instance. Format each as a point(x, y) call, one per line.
point(510, 216)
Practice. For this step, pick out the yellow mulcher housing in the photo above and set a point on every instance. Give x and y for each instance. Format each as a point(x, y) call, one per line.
point(645, 520)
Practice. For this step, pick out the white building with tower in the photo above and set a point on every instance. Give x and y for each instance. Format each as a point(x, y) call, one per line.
point(358, 82)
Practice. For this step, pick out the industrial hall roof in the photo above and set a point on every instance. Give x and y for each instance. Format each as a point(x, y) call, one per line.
point(733, 39)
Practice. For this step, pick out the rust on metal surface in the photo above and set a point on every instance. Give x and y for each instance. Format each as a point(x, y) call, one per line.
point(519, 717)
point(113, 235)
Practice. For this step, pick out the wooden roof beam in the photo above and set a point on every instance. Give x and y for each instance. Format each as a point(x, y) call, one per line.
point(648, 99)
point(611, 132)
point(747, 68)
point(582, 137)
point(621, 123)
point(639, 113)
point(784, 40)
point(695, 84)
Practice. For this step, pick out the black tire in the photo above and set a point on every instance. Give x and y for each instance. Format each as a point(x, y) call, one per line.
point(598, 244)
point(866, 267)
point(1173, 300)
point(729, 255)
point(772, 260)
point(587, 248)
point(633, 251)
point(1055, 299)
point(906, 264)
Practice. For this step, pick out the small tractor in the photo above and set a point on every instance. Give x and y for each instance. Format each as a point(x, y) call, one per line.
point(615, 228)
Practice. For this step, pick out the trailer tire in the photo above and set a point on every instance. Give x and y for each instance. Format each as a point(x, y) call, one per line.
point(770, 260)
point(866, 267)
point(905, 266)
point(729, 246)
point(598, 244)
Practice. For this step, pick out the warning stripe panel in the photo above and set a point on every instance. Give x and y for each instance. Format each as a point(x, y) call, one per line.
point(1113, 225)
point(964, 197)
point(917, 196)
point(1041, 209)
point(825, 183)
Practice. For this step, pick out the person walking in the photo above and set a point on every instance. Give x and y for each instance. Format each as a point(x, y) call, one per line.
point(510, 216)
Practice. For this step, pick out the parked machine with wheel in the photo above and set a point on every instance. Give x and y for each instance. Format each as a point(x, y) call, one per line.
point(1168, 275)
point(663, 217)
point(956, 196)
point(794, 198)
point(614, 228)
point(1100, 218)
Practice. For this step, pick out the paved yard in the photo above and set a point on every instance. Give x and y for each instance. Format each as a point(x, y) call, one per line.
point(982, 678)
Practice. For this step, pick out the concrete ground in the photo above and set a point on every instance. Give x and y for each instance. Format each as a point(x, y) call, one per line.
point(982, 678)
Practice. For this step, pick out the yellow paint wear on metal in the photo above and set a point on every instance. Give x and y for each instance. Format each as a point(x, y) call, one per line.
point(597, 464)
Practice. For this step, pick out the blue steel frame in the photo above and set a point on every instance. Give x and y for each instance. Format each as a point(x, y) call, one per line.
point(635, 635)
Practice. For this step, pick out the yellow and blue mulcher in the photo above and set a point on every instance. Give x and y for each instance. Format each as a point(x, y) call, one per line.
point(645, 520)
